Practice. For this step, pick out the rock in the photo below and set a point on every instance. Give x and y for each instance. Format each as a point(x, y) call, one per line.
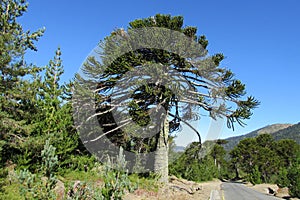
point(184, 185)
point(74, 189)
point(60, 190)
point(283, 192)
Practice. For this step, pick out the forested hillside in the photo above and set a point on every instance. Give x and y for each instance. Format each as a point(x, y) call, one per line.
point(278, 131)
point(292, 132)
point(259, 159)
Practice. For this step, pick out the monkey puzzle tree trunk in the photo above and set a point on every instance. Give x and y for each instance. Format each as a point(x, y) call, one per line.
point(161, 153)
point(133, 71)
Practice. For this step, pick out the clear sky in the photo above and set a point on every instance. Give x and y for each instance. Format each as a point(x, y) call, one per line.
point(260, 39)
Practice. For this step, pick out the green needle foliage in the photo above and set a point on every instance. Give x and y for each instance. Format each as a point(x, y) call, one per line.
point(268, 161)
point(40, 186)
point(34, 105)
point(257, 152)
point(49, 159)
point(17, 95)
point(206, 83)
point(116, 182)
point(294, 177)
point(54, 121)
point(201, 164)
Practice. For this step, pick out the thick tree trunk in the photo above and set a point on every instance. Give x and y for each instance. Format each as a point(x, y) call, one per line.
point(161, 153)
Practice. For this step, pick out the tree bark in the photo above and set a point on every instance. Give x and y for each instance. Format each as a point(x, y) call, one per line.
point(236, 171)
point(161, 153)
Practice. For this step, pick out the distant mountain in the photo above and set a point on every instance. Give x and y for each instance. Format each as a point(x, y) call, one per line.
point(279, 131)
point(292, 132)
point(179, 149)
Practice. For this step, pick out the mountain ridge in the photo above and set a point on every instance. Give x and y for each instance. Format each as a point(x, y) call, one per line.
point(278, 131)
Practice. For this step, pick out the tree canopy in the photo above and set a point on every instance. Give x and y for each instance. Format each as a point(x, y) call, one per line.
point(265, 155)
point(153, 77)
point(17, 94)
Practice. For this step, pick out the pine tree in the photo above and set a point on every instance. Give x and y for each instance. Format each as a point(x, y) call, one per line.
point(54, 120)
point(17, 97)
point(218, 153)
point(294, 177)
point(286, 149)
point(255, 176)
point(267, 155)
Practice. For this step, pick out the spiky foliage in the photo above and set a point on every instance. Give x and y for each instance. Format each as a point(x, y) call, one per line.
point(191, 166)
point(116, 182)
point(271, 158)
point(138, 80)
point(17, 93)
point(41, 185)
point(294, 177)
point(54, 120)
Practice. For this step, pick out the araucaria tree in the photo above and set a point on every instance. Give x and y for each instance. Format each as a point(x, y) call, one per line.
point(147, 81)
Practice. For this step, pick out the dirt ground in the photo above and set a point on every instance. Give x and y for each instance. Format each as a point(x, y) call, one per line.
point(178, 189)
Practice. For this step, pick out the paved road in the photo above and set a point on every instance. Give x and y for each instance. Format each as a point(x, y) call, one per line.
point(237, 191)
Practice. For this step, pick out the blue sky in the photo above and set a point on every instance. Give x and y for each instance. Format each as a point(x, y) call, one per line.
point(260, 39)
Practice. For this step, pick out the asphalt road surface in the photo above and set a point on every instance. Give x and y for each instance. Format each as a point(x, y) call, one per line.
point(237, 191)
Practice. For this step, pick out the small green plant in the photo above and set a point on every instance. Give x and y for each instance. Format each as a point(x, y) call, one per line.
point(83, 191)
point(3, 177)
point(116, 179)
point(10, 193)
point(40, 185)
point(74, 175)
point(49, 165)
point(148, 182)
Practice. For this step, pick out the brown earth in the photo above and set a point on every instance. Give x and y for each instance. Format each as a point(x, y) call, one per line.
point(178, 189)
